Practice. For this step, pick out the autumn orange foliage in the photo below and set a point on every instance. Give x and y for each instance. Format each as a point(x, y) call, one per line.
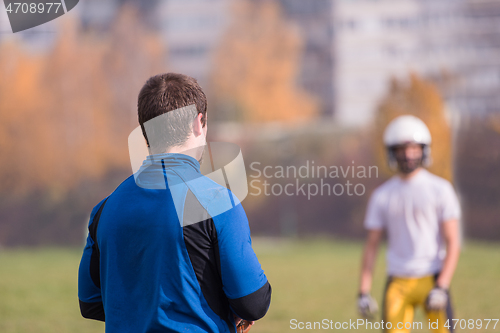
point(256, 67)
point(66, 113)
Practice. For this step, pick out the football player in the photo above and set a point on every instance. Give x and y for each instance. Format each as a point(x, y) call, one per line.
point(420, 213)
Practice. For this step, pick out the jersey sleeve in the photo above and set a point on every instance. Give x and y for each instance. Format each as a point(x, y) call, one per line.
point(244, 282)
point(89, 293)
point(374, 218)
point(449, 205)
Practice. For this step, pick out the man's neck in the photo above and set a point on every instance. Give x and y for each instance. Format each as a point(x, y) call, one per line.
point(191, 150)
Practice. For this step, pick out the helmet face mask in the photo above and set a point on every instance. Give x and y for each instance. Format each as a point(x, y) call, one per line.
point(408, 157)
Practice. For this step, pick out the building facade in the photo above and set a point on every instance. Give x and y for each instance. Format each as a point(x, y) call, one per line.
point(455, 42)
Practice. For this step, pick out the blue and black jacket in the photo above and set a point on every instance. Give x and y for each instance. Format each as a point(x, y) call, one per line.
point(170, 251)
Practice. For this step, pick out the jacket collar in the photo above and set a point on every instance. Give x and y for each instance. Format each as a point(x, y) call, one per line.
point(173, 160)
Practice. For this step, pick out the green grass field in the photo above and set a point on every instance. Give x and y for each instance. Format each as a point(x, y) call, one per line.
point(311, 280)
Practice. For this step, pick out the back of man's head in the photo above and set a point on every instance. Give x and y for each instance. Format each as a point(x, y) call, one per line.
point(161, 95)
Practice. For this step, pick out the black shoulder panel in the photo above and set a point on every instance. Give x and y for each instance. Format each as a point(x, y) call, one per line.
point(94, 258)
point(202, 246)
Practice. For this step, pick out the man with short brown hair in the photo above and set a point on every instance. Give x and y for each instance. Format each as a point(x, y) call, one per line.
point(170, 250)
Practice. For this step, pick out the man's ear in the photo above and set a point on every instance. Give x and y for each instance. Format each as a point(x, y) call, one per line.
point(197, 125)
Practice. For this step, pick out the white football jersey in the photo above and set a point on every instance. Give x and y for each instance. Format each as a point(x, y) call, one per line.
point(411, 211)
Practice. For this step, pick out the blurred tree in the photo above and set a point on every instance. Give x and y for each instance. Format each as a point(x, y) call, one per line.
point(494, 122)
point(20, 100)
point(420, 98)
point(255, 68)
point(66, 114)
point(65, 118)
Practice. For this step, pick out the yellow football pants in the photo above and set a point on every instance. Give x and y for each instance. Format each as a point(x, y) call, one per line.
point(402, 296)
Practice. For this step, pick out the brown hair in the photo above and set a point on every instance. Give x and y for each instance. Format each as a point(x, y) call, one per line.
point(167, 92)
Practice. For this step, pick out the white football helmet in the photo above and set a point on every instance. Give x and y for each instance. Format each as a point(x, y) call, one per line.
point(407, 129)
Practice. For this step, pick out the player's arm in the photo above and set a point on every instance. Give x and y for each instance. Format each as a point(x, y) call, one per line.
point(449, 211)
point(450, 232)
point(244, 282)
point(449, 217)
point(368, 260)
point(89, 295)
point(89, 291)
point(367, 306)
point(375, 223)
point(438, 296)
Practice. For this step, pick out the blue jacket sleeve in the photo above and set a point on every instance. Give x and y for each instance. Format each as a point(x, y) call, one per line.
point(244, 282)
point(89, 292)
